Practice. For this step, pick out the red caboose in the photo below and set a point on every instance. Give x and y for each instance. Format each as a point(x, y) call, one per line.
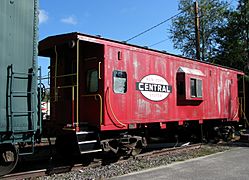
point(100, 87)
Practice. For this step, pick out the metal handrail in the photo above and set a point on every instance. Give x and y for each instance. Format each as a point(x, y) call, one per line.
point(64, 87)
point(99, 70)
point(101, 105)
point(65, 75)
point(40, 97)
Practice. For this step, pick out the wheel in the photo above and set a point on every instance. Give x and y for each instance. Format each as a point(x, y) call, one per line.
point(8, 158)
point(136, 151)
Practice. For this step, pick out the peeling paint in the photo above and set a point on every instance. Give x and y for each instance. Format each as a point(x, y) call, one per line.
point(143, 107)
point(161, 110)
point(109, 58)
point(135, 66)
point(219, 94)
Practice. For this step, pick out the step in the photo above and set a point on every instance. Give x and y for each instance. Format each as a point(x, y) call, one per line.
point(84, 132)
point(86, 136)
point(88, 145)
point(87, 142)
point(90, 151)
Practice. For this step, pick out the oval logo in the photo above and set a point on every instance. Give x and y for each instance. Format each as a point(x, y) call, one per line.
point(154, 87)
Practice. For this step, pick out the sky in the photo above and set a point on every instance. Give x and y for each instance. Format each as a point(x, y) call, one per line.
point(112, 19)
point(119, 20)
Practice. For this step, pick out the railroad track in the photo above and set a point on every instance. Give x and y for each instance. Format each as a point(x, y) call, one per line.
point(152, 153)
point(168, 150)
point(97, 163)
point(39, 173)
point(25, 175)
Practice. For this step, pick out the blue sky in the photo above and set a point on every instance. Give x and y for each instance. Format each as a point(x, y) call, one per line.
point(118, 20)
point(112, 19)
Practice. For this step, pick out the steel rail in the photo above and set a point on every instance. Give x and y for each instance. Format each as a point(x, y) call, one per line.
point(25, 175)
point(80, 167)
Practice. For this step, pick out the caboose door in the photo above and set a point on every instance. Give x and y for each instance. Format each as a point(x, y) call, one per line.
point(91, 84)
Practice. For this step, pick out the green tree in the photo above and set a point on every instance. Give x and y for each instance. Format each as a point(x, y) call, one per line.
point(233, 40)
point(211, 13)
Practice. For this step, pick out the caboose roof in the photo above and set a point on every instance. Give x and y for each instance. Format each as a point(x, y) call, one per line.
point(50, 42)
point(190, 71)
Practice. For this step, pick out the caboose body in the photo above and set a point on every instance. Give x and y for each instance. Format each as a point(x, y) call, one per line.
point(19, 120)
point(108, 86)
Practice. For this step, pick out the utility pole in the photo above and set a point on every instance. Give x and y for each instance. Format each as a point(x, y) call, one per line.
point(197, 31)
point(247, 32)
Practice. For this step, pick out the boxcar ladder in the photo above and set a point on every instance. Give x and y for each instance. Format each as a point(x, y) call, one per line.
point(26, 96)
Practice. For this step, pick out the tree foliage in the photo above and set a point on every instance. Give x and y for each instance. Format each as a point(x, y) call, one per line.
point(211, 13)
point(233, 40)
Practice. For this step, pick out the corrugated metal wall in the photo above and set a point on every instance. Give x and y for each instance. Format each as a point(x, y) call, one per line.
point(18, 42)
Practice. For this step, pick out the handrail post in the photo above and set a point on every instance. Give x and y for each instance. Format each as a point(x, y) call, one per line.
point(77, 85)
point(40, 111)
point(99, 70)
point(72, 105)
point(56, 69)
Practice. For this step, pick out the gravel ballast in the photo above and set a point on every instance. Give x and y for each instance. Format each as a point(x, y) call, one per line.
point(137, 164)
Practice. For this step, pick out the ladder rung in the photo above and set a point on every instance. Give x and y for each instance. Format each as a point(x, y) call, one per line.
point(23, 95)
point(22, 73)
point(20, 115)
point(22, 92)
point(23, 132)
point(22, 112)
point(19, 77)
point(19, 96)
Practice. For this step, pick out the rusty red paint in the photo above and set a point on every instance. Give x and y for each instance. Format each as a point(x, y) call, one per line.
point(217, 100)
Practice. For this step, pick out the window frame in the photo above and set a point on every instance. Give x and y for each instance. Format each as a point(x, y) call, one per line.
point(114, 80)
point(197, 92)
point(88, 80)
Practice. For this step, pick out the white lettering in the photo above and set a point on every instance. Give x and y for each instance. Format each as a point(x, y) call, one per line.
point(140, 86)
point(154, 87)
point(151, 87)
point(164, 89)
point(146, 87)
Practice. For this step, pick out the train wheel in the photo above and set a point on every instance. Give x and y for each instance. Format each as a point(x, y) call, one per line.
point(136, 151)
point(8, 158)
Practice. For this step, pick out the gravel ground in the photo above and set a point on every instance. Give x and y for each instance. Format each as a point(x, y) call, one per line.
point(133, 165)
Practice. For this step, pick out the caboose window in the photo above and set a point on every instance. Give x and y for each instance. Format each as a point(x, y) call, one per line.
point(119, 82)
point(92, 80)
point(193, 87)
point(199, 88)
point(196, 87)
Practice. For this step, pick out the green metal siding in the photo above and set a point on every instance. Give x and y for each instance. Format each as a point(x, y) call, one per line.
point(18, 42)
